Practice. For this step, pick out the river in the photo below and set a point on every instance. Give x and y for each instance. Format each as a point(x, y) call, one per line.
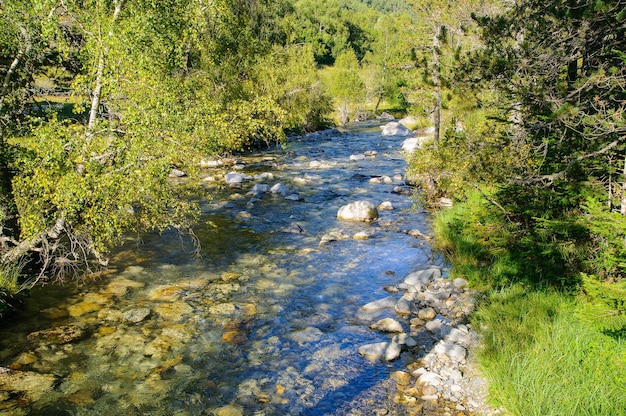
point(267, 320)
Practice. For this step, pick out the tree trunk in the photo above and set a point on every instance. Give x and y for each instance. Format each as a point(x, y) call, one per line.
point(437, 84)
point(97, 91)
point(623, 207)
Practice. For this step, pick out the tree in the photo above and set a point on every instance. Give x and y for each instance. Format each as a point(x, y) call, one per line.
point(346, 85)
point(386, 61)
point(164, 83)
point(332, 26)
point(568, 89)
point(443, 32)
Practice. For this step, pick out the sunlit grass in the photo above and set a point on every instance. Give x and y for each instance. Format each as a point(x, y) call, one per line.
point(540, 357)
point(541, 360)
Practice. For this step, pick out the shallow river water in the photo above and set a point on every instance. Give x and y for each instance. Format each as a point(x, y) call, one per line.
point(266, 321)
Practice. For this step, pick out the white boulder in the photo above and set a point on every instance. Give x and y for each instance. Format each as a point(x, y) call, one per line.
point(358, 211)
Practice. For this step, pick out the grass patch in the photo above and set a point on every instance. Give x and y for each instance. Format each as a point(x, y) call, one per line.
point(541, 353)
point(540, 359)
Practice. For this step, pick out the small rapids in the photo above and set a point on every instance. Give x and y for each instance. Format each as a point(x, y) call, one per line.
point(266, 321)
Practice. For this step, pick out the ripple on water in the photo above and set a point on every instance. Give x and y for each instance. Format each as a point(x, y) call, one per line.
point(264, 322)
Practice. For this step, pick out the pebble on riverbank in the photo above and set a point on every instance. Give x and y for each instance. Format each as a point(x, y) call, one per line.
point(443, 379)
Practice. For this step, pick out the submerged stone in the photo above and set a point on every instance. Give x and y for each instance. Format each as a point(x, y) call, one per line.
point(136, 315)
point(30, 385)
point(59, 335)
point(387, 351)
point(384, 303)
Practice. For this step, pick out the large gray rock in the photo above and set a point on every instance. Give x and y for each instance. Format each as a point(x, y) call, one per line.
point(394, 129)
point(423, 276)
point(358, 211)
point(234, 178)
point(387, 351)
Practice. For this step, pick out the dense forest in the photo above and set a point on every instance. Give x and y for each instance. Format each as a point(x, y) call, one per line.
point(101, 99)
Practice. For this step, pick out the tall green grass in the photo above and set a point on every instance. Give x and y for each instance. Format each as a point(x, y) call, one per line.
point(540, 359)
point(541, 355)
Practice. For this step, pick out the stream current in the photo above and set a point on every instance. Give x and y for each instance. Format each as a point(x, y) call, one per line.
point(266, 321)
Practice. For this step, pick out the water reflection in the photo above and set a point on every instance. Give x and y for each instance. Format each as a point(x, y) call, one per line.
point(266, 321)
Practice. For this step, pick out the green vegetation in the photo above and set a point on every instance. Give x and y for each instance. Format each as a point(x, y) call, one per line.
point(546, 350)
point(527, 100)
point(538, 222)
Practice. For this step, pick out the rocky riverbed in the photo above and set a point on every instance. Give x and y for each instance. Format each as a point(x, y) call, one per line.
point(443, 379)
point(316, 293)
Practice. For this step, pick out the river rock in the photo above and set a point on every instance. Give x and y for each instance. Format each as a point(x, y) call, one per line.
point(427, 314)
point(260, 188)
point(174, 311)
point(430, 378)
point(402, 190)
point(385, 206)
point(293, 228)
point(166, 293)
point(211, 163)
point(83, 308)
point(454, 351)
point(136, 315)
point(358, 211)
point(384, 303)
point(370, 153)
point(293, 196)
point(404, 339)
point(411, 144)
point(361, 235)
point(335, 235)
point(234, 178)
point(459, 283)
point(310, 334)
point(280, 189)
point(394, 129)
point(32, 386)
point(264, 176)
point(409, 122)
point(422, 276)
point(59, 335)
point(387, 325)
point(404, 307)
point(387, 351)
point(357, 157)
point(177, 173)
point(229, 410)
point(120, 287)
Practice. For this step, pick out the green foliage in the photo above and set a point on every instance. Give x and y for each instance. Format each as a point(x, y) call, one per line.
point(541, 360)
point(603, 305)
point(98, 198)
point(333, 26)
point(553, 338)
point(346, 86)
point(608, 230)
point(289, 76)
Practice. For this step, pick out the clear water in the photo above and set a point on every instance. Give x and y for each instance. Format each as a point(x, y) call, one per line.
point(264, 322)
